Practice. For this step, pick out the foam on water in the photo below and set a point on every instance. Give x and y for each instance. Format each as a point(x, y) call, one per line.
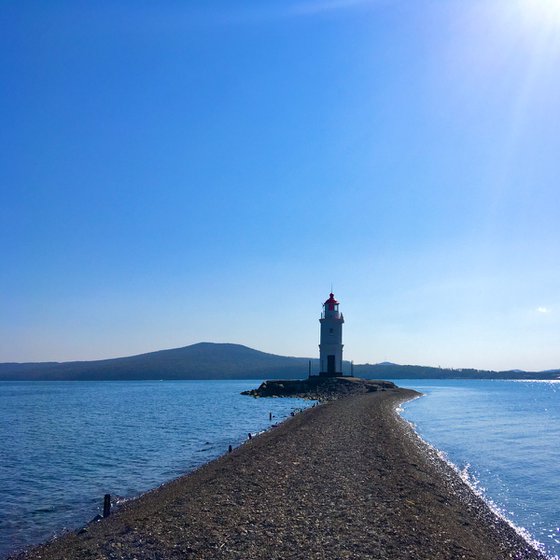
point(514, 477)
point(475, 485)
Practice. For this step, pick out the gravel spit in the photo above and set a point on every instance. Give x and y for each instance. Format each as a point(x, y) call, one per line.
point(347, 479)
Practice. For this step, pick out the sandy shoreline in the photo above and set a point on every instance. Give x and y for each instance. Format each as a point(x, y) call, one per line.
point(348, 479)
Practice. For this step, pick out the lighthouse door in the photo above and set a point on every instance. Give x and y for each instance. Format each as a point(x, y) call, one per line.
point(331, 369)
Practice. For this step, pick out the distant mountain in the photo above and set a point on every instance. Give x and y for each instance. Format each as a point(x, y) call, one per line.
point(208, 360)
point(204, 360)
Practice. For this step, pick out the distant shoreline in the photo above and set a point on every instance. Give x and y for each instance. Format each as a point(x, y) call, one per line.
point(346, 479)
point(206, 361)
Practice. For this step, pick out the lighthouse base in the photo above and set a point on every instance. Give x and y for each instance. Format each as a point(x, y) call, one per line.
point(331, 362)
point(331, 374)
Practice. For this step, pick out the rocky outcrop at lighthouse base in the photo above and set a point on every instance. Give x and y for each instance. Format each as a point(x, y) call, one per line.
point(319, 388)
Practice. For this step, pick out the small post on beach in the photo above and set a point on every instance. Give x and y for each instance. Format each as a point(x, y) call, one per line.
point(107, 505)
point(270, 415)
point(250, 435)
point(230, 449)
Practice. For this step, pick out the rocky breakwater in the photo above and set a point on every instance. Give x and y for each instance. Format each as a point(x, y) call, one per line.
point(319, 388)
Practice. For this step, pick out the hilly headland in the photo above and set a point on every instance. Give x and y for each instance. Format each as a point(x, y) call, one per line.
point(208, 360)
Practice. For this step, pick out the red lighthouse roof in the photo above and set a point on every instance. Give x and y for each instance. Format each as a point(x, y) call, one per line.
point(331, 299)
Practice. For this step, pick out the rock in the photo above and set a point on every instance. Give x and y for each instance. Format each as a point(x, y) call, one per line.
point(319, 388)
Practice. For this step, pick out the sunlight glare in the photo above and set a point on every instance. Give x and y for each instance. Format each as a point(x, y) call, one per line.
point(542, 12)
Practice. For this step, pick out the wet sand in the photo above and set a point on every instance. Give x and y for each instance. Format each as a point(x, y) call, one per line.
point(347, 479)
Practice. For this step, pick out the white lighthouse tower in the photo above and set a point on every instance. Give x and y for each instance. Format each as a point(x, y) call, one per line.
point(330, 348)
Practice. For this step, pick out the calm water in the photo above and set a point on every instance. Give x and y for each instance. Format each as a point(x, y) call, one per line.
point(504, 437)
point(63, 445)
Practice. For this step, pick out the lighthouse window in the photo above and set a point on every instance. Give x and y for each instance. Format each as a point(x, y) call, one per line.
point(331, 330)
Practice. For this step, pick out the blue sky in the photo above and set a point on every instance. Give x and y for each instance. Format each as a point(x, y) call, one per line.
point(177, 172)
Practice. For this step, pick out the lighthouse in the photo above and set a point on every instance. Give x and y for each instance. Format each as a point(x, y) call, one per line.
point(330, 348)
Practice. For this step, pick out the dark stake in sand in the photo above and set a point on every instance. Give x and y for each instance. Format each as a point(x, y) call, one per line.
point(347, 479)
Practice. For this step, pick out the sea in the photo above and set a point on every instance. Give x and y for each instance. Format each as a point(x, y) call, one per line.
point(503, 438)
point(63, 445)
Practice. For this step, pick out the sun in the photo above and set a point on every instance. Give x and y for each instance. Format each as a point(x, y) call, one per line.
point(542, 12)
point(536, 22)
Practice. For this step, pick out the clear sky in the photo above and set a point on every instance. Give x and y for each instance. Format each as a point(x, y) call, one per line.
point(183, 171)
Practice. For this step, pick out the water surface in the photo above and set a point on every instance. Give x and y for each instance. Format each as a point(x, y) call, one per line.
point(504, 437)
point(63, 445)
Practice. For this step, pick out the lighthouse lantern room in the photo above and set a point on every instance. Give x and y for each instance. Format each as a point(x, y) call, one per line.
point(330, 348)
